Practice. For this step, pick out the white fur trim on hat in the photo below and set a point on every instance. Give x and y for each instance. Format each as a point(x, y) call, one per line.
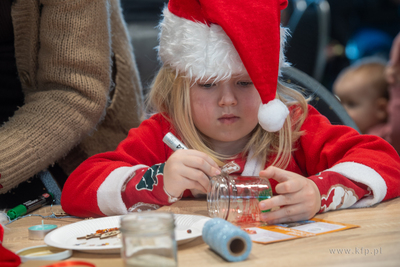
point(272, 115)
point(201, 51)
point(282, 58)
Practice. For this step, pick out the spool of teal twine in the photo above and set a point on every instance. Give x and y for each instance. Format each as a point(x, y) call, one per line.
point(226, 239)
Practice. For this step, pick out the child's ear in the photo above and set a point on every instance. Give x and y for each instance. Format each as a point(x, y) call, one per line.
point(382, 104)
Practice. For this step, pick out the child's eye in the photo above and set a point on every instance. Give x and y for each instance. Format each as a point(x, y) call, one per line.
point(351, 104)
point(207, 85)
point(245, 83)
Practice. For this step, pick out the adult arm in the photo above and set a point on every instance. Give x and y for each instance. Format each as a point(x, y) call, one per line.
point(63, 53)
point(394, 118)
point(393, 78)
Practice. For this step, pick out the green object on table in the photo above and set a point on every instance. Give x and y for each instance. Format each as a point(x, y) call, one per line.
point(265, 194)
point(16, 212)
point(30, 205)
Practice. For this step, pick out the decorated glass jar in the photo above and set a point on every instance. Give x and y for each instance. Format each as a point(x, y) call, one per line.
point(236, 198)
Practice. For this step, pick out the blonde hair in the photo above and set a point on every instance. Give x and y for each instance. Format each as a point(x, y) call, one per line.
point(170, 95)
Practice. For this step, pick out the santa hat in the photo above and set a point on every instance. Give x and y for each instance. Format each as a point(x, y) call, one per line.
point(220, 38)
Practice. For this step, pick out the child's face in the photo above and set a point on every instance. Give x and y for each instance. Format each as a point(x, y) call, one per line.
point(225, 111)
point(361, 100)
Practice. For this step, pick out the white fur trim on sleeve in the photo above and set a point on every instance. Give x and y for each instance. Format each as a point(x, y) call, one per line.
point(365, 175)
point(109, 198)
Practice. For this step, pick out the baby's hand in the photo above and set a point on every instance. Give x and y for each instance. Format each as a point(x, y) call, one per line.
point(188, 169)
point(299, 197)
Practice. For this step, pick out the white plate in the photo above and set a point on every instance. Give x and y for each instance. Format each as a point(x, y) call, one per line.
point(66, 236)
point(185, 222)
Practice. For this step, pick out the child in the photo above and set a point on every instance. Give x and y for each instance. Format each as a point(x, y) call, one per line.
point(218, 92)
point(369, 100)
point(363, 92)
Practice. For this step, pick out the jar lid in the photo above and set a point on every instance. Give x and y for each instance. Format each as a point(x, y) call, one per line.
point(43, 252)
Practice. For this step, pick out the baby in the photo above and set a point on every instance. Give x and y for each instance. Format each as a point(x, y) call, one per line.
point(363, 90)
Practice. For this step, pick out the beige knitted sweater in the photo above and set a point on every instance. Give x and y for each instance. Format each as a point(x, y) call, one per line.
point(74, 107)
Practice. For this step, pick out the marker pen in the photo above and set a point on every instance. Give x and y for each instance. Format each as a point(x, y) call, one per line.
point(173, 142)
point(30, 205)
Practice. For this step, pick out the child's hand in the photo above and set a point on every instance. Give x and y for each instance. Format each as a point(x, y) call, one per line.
point(299, 197)
point(188, 169)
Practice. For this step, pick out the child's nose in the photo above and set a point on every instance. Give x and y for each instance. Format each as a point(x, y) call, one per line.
point(228, 97)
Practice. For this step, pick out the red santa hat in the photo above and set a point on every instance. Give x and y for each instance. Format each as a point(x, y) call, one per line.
point(220, 38)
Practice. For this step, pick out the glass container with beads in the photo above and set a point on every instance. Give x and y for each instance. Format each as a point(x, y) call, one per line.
point(236, 198)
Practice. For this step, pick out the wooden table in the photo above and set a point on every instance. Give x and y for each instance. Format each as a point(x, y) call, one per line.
point(379, 232)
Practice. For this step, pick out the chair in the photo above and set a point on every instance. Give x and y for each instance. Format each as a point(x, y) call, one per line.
point(323, 100)
point(309, 27)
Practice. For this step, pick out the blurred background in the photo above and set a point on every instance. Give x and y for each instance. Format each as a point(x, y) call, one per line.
point(327, 35)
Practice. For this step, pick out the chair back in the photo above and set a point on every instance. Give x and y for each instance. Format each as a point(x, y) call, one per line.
point(321, 99)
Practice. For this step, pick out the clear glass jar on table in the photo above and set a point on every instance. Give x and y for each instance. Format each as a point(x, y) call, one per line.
point(148, 239)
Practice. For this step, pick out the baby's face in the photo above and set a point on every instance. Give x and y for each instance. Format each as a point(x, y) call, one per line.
point(225, 111)
point(360, 100)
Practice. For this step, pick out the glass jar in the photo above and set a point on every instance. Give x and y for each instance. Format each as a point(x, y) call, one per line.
point(148, 239)
point(236, 198)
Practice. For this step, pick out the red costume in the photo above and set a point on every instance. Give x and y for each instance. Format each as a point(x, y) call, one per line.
point(350, 170)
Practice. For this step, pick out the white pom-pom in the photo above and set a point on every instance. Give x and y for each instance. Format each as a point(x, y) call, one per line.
point(272, 115)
